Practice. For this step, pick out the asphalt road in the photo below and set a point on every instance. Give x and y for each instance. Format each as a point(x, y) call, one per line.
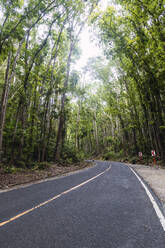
point(110, 210)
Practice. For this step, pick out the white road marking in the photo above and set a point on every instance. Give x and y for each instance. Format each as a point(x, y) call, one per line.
point(154, 203)
point(52, 199)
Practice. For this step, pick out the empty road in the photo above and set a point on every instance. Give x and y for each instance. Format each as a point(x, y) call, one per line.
point(101, 207)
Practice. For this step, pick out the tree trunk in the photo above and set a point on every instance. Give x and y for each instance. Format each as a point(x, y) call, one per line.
point(77, 128)
point(14, 136)
point(59, 140)
point(96, 134)
point(6, 90)
point(4, 99)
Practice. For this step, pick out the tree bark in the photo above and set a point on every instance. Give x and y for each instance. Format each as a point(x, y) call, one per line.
point(59, 140)
point(6, 89)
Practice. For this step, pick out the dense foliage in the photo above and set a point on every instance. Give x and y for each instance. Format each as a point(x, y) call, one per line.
point(38, 43)
point(133, 38)
point(46, 112)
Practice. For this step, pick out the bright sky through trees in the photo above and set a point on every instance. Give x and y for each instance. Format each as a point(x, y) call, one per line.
point(87, 44)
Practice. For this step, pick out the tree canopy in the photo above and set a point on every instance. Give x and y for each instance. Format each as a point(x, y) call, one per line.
point(48, 112)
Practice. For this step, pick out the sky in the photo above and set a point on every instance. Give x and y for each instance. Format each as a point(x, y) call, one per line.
point(88, 47)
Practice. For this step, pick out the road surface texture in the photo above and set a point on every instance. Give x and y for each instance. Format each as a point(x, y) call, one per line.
point(101, 207)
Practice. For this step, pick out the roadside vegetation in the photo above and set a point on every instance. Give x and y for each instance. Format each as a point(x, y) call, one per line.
point(50, 112)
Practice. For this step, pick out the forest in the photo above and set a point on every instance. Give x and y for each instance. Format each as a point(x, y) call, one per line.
point(50, 112)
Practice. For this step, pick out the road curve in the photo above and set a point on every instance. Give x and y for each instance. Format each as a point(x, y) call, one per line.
point(102, 207)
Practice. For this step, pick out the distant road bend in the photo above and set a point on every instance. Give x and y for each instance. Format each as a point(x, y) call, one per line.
point(107, 206)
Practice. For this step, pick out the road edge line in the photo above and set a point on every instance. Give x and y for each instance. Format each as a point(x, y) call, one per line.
point(153, 201)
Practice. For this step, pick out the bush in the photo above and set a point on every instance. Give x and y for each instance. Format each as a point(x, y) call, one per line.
point(108, 155)
point(43, 165)
point(31, 165)
point(113, 155)
point(11, 169)
point(20, 164)
point(71, 155)
point(38, 165)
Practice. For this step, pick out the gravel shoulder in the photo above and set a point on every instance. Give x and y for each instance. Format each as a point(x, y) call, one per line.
point(155, 178)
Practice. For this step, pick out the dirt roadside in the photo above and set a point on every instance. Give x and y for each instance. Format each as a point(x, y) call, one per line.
point(154, 177)
point(10, 180)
